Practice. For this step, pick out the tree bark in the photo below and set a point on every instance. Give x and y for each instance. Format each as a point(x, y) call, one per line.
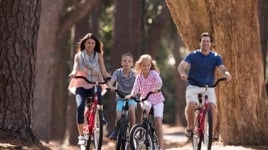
point(235, 28)
point(19, 30)
point(263, 19)
point(52, 65)
point(127, 33)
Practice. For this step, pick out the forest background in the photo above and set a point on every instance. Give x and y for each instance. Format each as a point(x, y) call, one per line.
point(39, 40)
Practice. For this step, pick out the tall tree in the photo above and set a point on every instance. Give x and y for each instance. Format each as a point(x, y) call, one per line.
point(263, 19)
point(235, 28)
point(126, 38)
point(19, 30)
point(57, 19)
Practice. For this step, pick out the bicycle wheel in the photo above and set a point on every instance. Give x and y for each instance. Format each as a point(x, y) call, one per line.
point(155, 141)
point(197, 142)
point(98, 130)
point(139, 139)
point(207, 137)
point(121, 141)
point(86, 146)
point(197, 134)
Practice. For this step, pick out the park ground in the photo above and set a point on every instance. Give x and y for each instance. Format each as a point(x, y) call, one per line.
point(174, 139)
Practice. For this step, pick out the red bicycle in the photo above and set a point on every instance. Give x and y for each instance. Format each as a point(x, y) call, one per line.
point(203, 123)
point(93, 126)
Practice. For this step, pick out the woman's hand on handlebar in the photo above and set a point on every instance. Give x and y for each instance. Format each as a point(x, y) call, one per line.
point(71, 75)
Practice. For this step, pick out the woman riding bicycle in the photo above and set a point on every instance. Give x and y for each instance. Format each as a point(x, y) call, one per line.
point(201, 65)
point(88, 62)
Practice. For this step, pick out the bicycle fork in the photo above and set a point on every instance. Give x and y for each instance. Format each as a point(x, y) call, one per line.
point(91, 118)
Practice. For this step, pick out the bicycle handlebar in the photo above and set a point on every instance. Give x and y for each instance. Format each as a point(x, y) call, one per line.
point(121, 94)
point(214, 85)
point(138, 99)
point(92, 82)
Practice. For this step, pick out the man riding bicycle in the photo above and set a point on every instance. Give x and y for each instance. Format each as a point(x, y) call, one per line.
point(200, 65)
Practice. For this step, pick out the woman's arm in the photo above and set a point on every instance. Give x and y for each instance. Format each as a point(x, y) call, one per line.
point(75, 66)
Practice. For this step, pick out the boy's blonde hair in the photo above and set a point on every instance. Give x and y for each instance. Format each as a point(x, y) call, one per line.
point(139, 62)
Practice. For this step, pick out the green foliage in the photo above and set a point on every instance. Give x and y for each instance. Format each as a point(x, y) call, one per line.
point(152, 9)
point(166, 72)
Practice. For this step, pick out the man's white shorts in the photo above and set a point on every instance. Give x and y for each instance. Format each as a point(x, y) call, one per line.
point(192, 94)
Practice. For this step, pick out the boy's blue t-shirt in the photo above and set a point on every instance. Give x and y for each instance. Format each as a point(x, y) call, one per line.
point(202, 67)
point(124, 84)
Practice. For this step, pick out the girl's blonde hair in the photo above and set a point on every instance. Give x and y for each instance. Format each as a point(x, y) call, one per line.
point(142, 58)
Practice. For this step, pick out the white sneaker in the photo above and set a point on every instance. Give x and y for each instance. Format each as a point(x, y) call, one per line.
point(81, 140)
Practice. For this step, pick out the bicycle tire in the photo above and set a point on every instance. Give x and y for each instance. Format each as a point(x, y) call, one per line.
point(138, 138)
point(207, 137)
point(197, 142)
point(121, 138)
point(87, 145)
point(197, 136)
point(155, 140)
point(98, 130)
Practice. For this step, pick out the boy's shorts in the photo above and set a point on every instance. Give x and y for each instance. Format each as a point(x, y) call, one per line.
point(120, 103)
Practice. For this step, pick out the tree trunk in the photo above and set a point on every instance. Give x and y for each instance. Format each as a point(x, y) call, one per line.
point(127, 33)
point(234, 26)
point(179, 93)
point(18, 58)
point(52, 65)
point(45, 72)
point(263, 19)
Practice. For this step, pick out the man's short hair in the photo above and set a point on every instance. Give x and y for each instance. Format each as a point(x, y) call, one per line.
point(206, 34)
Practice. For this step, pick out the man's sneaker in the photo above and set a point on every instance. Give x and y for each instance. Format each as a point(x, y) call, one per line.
point(215, 137)
point(81, 140)
point(188, 132)
point(113, 135)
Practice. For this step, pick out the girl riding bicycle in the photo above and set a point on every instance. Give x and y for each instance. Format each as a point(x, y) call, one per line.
point(88, 62)
point(148, 79)
point(124, 78)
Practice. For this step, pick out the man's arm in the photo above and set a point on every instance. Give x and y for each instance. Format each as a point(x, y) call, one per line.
point(183, 70)
point(225, 72)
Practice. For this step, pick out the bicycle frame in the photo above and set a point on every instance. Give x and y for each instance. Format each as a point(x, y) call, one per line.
point(90, 114)
point(122, 126)
point(202, 113)
point(90, 131)
point(203, 119)
point(150, 139)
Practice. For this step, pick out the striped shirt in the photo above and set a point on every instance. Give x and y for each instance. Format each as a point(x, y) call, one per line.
point(144, 85)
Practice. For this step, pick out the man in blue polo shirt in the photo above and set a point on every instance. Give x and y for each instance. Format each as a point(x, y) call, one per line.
point(200, 65)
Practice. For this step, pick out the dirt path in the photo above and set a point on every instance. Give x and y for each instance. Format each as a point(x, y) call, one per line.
point(174, 139)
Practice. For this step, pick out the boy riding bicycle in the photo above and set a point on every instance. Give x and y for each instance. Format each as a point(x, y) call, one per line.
point(124, 78)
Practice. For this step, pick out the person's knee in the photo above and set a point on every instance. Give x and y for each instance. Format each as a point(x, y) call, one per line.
point(191, 105)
